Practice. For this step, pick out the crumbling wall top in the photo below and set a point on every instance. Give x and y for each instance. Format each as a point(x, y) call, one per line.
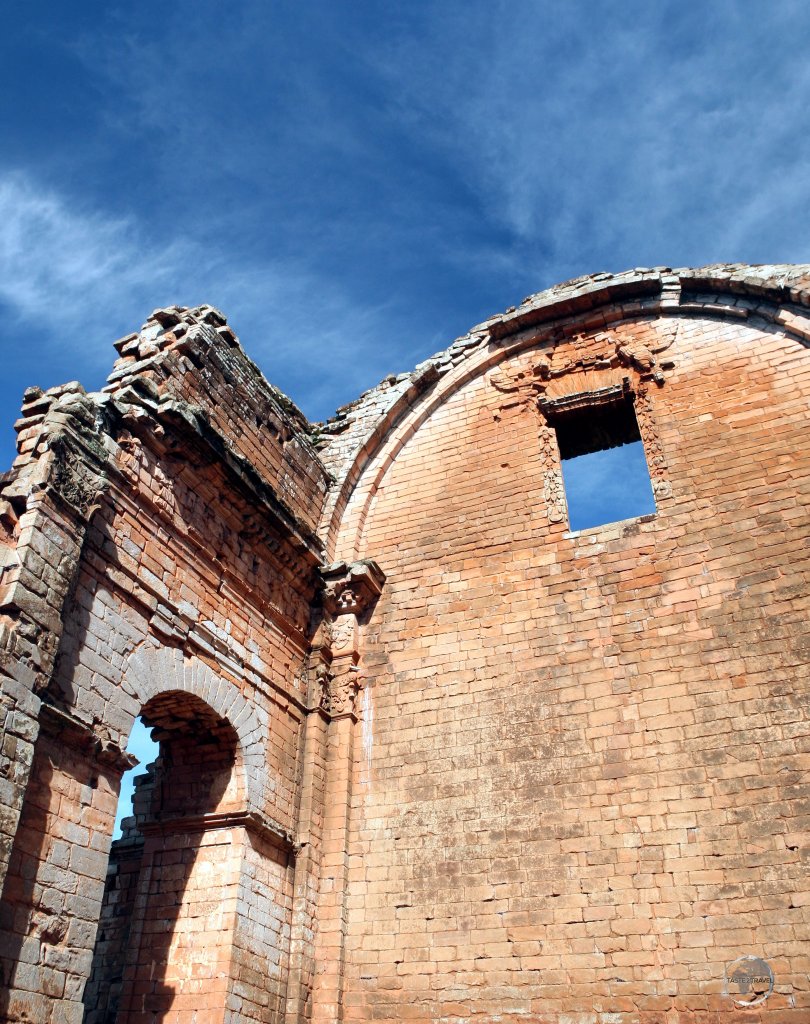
point(347, 440)
point(189, 363)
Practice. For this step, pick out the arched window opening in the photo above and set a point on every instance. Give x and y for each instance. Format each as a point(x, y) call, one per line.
point(198, 758)
point(146, 954)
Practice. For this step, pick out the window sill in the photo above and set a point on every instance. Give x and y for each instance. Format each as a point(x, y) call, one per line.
point(612, 531)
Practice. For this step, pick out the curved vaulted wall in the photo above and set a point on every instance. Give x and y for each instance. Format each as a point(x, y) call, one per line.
point(457, 761)
point(579, 786)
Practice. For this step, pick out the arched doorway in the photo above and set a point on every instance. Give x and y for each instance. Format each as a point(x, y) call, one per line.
point(165, 930)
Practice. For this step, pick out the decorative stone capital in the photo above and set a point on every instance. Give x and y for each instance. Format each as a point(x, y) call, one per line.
point(351, 588)
point(339, 690)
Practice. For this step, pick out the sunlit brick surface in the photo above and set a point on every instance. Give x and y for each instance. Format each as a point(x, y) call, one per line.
point(425, 754)
point(583, 791)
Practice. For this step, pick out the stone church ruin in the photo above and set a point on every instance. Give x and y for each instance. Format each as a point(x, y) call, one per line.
point(427, 753)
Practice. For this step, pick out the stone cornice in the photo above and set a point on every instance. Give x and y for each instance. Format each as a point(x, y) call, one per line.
point(77, 734)
point(261, 825)
point(351, 587)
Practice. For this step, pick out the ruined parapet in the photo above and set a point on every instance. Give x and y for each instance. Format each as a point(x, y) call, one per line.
point(155, 538)
point(188, 363)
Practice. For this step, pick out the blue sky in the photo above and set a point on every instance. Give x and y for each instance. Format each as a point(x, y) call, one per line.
point(607, 486)
point(146, 750)
point(357, 183)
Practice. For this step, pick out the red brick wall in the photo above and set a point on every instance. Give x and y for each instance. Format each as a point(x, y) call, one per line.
point(51, 897)
point(193, 577)
point(260, 962)
point(570, 787)
point(581, 795)
point(103, 990)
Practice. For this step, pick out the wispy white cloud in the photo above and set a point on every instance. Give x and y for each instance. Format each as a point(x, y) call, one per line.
point(619, 136)
point(63, 264)
point(353, 189)
point(89, 276)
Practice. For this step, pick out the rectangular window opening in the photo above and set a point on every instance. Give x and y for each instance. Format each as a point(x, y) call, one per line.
point(604, 468)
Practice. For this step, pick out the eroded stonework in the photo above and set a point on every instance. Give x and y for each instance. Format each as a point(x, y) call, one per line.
point(426, 753)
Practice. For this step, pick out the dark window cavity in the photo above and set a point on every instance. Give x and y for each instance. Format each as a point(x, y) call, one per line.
point(604, 468)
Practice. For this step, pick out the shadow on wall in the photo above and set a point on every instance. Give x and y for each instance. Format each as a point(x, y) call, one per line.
point(162, 916)
point(163, 920)
point(33, 925)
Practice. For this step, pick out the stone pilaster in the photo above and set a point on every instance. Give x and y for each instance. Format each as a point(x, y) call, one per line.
point(46, 503)
point(317, 953)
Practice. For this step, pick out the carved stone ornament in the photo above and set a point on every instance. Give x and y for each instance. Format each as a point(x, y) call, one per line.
point(597, 361)
point(342, 633)
point(553, 488)
point(653, 449)
point(323, 680)
point(351, 588)
point(339, 692)
point(72, 480)
point(587, 371)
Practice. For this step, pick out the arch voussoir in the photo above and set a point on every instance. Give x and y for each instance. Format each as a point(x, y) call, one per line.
point(155, 670)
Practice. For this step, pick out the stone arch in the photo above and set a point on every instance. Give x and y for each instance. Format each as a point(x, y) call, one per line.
point(153, 670)
point(191, 831)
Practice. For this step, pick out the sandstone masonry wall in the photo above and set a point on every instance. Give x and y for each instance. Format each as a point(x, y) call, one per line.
point(190, 584)
point(583, 790)
point(425, 753)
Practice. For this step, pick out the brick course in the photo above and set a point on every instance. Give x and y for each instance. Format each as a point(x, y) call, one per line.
point(426, 754)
